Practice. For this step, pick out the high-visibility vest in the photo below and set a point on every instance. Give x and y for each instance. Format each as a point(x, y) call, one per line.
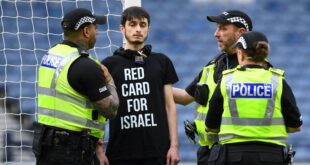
point(59, 105)
point(252, 106)
point(204, 138)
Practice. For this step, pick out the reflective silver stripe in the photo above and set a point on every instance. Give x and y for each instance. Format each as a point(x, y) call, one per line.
point(213, 137)
point(60, 67)
point(72, 118)
point(279, 139)
point(63, 96)
point(207, 75)
point(201, 116)
point(252, 121)
point(231, 102)
point(271, 102)
point(267, 120)
point(201, 136)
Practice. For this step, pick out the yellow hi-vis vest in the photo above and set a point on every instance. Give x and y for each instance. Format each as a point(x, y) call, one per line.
point(59, 105)
point(204, 138)
point(252, 106)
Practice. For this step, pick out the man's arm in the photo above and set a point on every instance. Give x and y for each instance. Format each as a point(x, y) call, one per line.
point(173, 153)
point(180, 96)
point(109, 105)
point(186, 96)
point(290, 110)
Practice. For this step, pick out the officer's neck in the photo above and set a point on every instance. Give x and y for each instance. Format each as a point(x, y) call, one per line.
point(249, 62)
point(81, 42)
point(230, 51)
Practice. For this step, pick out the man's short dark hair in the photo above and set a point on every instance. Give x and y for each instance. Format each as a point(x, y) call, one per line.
point(134, 12)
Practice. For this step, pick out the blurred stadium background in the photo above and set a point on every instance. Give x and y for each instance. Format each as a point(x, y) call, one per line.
point(178, 28)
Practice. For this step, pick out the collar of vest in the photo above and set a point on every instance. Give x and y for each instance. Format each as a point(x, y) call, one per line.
point(82, 52)
point(252, 66)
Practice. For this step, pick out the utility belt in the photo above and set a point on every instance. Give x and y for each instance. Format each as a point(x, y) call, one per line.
point(47, 137)
point(254, 146)
point(220, 154)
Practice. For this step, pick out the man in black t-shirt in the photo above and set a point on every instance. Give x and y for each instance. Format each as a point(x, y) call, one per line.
point(144, 131)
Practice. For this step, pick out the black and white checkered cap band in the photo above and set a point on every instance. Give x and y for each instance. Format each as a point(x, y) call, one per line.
point(83, 20)
point(240, 20)
point(243, 43)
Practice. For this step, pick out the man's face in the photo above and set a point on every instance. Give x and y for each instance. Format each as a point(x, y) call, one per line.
point(135, 31)
point(227, 35)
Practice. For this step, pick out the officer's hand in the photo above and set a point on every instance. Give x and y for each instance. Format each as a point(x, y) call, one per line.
point(202, 94)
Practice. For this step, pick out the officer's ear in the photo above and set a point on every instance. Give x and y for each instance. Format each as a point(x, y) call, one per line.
point(240, 55)
point(86, 31)
point(240, 31)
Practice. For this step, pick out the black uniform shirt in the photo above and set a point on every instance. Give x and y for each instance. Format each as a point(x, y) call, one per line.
point(223, 62)
point(86, 76)
point(290, 111)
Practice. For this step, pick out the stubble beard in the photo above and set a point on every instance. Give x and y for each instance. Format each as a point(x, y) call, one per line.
point(227, 47)
point(135, 42)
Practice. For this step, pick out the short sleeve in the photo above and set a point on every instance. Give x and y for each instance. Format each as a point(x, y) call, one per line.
point(191, 88)
point(170, 73)
point(86, 77)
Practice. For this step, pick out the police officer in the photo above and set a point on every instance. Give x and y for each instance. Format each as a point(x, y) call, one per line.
point(230, 25)
point(75, 96)
point(252, 108)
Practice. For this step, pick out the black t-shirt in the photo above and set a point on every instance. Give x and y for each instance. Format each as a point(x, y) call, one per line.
point(222, 62)
point(290, 111)
point(86, 76)
point(140, 129)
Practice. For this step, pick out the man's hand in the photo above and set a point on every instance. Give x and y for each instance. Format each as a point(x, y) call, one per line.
point(173, 156)
point(100, 153)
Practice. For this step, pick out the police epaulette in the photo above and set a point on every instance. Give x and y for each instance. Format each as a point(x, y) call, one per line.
point(229, 71)
point(277, 71)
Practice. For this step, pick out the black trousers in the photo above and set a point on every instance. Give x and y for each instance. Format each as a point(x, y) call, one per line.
point(203, 154)
point(254, 154)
